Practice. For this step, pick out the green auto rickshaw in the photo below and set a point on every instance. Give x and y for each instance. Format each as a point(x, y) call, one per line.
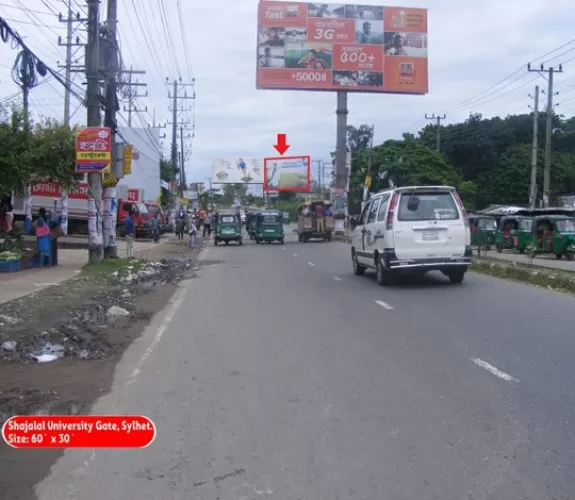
point(514, 233)
point(227, 226)
point(251, 218)
point(555, 234)
point(269, 226)
point(483, 230)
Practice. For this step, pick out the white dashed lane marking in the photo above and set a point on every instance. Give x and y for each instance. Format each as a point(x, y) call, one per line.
point(311, 264)
point(336, 278)
point(383, 304)
point(294, 254)
point(494, 371)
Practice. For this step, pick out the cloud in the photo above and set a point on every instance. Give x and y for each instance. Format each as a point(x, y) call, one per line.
point(472, 45)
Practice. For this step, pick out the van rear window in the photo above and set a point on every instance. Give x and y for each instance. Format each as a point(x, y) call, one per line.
point(432, 206)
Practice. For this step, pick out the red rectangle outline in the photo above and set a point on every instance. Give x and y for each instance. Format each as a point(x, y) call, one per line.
point(292, 190)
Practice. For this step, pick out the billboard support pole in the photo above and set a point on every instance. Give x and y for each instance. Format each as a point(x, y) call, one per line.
point(96, 244)
point(341, 140)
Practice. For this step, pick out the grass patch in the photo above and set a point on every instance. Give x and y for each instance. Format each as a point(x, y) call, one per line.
point(109, 267)
point(552, 279)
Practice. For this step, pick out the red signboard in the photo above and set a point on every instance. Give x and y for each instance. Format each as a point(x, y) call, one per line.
point(287, 173)
point(78, 192)
point(93, 149)
point(362, 48)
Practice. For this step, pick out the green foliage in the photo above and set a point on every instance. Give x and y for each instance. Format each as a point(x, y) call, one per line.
point(488, 160)
point(468, 192)
point(46, 152)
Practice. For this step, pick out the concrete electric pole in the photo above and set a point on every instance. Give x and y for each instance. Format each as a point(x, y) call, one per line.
point(437, 120)
point(96, 246)
point(133, 95)
point(109, 202)
point(179, 95)
point(534, 150)
point(548, 128)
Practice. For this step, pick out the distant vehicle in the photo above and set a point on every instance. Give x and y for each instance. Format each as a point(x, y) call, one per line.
point(414, 228)
point(287, 218)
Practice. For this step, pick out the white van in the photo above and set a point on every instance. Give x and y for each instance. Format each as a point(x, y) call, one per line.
point(414, 228)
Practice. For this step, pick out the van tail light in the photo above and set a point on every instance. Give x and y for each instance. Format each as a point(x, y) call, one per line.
point(462, 208)
point(391, 211)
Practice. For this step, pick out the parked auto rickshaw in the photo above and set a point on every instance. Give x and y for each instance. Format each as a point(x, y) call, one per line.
point(227, 227)
point(307, 226)
point(269, 227)
point(554, 234)
point(251, 224)
point(483, 230)
point(514, 233)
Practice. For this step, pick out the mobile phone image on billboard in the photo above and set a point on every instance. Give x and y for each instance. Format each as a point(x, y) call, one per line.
point(329, 47)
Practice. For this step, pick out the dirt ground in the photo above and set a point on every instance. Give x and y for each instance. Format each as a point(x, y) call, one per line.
point(73, 323)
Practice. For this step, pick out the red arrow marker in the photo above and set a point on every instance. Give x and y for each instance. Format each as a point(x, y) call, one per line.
point(281, 144)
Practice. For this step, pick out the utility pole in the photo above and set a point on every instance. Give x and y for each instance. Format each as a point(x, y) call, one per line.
point(548, 128)
point(179, 95)
point(69, 20)
point(133, 94)
point(109, 214)
point(534, 150)
point(96, 247)
point(437, 120)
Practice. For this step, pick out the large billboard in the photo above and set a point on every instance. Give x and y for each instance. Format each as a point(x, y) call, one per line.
point(287, 173)
point(145, 171)
point(362, 48)
point(238, 171)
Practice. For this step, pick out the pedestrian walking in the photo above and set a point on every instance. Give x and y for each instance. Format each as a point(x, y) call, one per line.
point(208, 225)
point(130, 235)
point(193, 232)
point(155, 228)
point(180, 226)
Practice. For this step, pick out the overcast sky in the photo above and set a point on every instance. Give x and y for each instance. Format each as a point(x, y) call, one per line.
point(473, 45)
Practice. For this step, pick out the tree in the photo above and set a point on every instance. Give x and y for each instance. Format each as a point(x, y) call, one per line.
point(45, 152)
point(14, 145)
point(52, 153)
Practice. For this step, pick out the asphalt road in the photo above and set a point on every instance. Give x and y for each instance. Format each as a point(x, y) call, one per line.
point(278, 373)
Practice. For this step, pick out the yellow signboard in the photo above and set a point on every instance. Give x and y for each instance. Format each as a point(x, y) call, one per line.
point(367, 182)
point(128, 153)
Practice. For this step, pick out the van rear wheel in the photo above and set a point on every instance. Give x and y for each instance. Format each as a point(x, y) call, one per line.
point(456, 277)
point(383, 275)
point(358, 269)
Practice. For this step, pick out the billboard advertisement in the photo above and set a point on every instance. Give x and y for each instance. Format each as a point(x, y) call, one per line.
point(144, 165)
point(93, 150)
point(238, 171)
point(287, 173)
point(362, 48)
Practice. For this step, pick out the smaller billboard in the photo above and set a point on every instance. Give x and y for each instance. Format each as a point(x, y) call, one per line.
point(237, 171)
point(287, 173)
point(93, 150)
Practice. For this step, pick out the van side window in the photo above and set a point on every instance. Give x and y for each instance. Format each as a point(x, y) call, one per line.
point(363, 217)
point(383, 208)
point(128, 207)
point(373, 211)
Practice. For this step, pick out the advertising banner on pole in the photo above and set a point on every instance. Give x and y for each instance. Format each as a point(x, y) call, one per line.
point(287, 173)
point(356, 48)
point(237, 171)
point(93, 150)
